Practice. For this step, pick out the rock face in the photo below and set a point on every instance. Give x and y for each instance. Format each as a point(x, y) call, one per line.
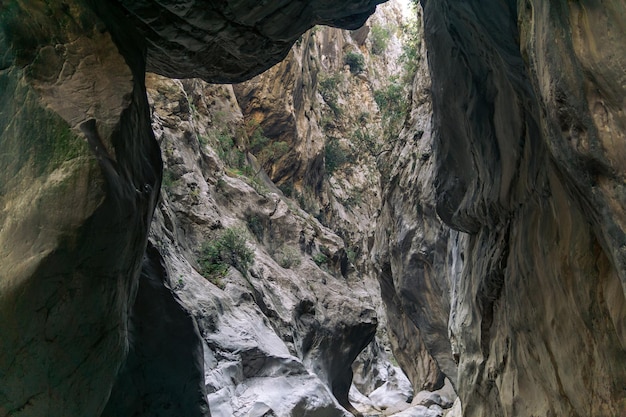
point(80, 178)
point(527, 136)
point(411, 247)
point(231, 41)
point(500, 243)
point(279, 336)
point(162, 374)
point(76, 205)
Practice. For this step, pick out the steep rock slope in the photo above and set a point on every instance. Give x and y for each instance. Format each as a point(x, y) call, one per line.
point(410, 251)
point(281, 333)
point(527, 132)
point(80, 178)
point(338, 119)
point(78, 182)
point(307, 299)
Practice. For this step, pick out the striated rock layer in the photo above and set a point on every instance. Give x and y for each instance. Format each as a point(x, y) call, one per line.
point(527, 170)
point(527, 165)
point(234, 40)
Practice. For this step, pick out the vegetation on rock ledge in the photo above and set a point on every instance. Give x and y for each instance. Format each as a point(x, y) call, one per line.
point(228, 249)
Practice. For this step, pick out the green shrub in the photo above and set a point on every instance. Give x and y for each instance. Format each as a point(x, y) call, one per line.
point(286, 188)
point(320, 259)
point(228, 151)
point(263, 148)
point(379, 35)
point(355, 60)
point(255, 225)
point(273, 152)
point(365, 142)
point(258, 140)
point(327, 86)
point(392, 102)
point(169, 179)
point(334, 155)
point(410, 57)
point(351, 253)
point(228, 248)
point(288, 257)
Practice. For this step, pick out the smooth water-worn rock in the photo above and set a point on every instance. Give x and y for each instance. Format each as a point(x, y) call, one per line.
point(81, 172)
point(528, 291)
point(534, 176)
point(420, 411)
point(280, 336)
point(410, 250)
point(235, 40)
point(79, 178)
point(514, 288)
point(395, 391)
point(162, 375)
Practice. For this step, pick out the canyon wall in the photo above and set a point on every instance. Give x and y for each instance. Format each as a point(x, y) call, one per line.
point(82, 170)
point(499, 244)
point(517, 282)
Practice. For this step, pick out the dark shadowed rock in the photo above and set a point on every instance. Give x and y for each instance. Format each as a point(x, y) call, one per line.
point(528, 140)
point(80, 175)
point(527, 294)
point(163, 373)
point(232, 41)
point(410, 251)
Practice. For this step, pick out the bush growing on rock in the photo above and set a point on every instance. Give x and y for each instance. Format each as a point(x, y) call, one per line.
point(327, 86)
point(334, 155)
point(356, 61)
point(379, 36)
point(227, 249)
point(288, 257)
point(320, 259)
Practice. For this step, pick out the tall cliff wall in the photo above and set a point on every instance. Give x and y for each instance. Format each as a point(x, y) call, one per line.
point(499, 245)
point(518, 291)
point(81, 172)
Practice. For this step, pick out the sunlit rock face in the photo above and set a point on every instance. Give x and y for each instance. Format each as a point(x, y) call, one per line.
point(81, 172)
point(410, 250)
point(528, 126)
point(80, 175)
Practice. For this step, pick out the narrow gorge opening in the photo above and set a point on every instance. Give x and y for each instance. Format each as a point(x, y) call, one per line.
point(446, 194)
point(272, 191)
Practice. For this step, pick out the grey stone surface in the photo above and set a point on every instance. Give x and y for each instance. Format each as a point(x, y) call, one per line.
point(163, 373)
point(231, 41)
point(526, 295)
point(81, 172)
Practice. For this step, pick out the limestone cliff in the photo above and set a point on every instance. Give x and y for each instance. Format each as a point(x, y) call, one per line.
point(518, 291)
point(500, 244)
point(81, 173)
point(289, 319)
point(308, 301)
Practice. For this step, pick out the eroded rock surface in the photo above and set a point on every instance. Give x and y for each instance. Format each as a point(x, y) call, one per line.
point(232, 41)
point(77, 187)
point(516, 294)
point(81, 173)
point(280, 336)
point(527, 127)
